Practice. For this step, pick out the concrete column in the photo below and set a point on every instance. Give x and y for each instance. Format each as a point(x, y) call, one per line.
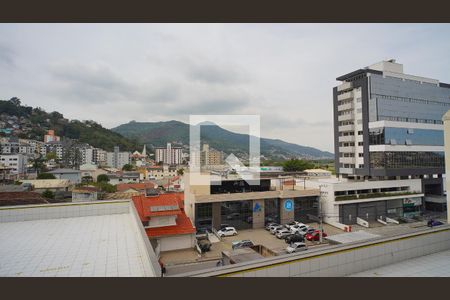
point(446, 120)
point(216, 215)
point(286, 214)
point(258, 214)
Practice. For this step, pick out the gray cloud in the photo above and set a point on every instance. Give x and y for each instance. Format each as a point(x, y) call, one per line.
point(115, 73)
point(7, 57)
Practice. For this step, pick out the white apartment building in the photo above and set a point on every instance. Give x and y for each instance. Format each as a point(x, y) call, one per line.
point(118, 159)
point(344, 200)
point(17, 163)
point(169, 155)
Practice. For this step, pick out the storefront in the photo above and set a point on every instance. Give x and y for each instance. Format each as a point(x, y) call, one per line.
point(412, 207)
point(238, 214)
point(271, 210)
point(305, 206)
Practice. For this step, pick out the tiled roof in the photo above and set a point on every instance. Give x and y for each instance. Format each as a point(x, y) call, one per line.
point(21, 198)
point(184, 226)
point(136, 186)
point(143, 205)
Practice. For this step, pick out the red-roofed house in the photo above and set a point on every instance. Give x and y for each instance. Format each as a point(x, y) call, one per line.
point(165, 221)
point(140, 187)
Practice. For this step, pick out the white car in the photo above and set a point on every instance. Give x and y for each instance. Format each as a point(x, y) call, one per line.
point(282, 233)
point(227, 231)
point(296, 247)
point(298, 227)
point(274, 229)
point(290, 224)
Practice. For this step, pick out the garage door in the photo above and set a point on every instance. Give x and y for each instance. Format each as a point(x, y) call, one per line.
point(348, 214)
point(176, 242)
point(367, 212)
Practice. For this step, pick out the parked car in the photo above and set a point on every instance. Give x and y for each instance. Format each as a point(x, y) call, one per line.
point(315, 235)
point(283, 233)
point(294, 238)
point(288, 225)
point(205, 245)
point(227, 231)
point(298, 227)
point(242, 244)
point(270, 225)
point(274, 229)
point(303, 230)
point(296, 247)
point(222, 226)
point(432, 223)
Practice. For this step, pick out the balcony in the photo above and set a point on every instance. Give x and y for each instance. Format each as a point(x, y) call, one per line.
point(347, 160)
point(391, 195)
point(345, 106)
point(345, 86)
point(346, 128)
point(346, 117)
point(345, 96)
point(348, 138)
point(347, 149)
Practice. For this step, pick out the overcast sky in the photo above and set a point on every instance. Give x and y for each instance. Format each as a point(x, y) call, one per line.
point(115, 73)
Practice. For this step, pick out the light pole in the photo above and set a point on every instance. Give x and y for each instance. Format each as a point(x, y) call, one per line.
point(320, 213)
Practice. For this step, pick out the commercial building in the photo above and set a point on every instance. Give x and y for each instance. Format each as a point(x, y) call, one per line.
point(124, 177)
point(388, 125)
point(237, 203)
point(91, 239)
point(118, 159)
point(169, 155)
point(165, 221)
point(343, 200)
point(17, 163)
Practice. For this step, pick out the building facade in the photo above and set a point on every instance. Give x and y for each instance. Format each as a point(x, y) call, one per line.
point(169, 155)
point(388, 124)
point(16, 163)
point(343, 200)
point(244, 206)
point(117, 159)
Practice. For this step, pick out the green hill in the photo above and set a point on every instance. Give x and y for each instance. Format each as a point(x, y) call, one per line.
point(33, 123)
point(159, 133)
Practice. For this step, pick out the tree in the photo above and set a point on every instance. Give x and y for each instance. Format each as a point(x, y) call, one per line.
point(46, 176)
point(38, 164)
point(50, 156)
point(15, 101)
point(127, 167)
point(48, 194)
point(87, 179)
point(102, 178)
point(294, 165)
point(180, 172)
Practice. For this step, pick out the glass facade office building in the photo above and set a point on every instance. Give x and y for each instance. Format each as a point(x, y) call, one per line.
point(388, 123)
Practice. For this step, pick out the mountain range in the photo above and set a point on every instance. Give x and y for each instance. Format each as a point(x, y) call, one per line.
point(155, 134)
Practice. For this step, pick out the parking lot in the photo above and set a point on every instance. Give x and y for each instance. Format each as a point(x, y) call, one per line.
point(258, 236)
